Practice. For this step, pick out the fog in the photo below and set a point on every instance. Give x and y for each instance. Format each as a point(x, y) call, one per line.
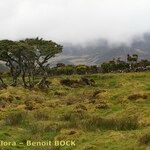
point(75, 21)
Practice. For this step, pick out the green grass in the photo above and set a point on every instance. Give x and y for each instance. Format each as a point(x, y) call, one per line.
point(66, 113)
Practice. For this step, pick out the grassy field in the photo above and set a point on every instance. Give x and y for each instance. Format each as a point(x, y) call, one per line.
point(113, 114)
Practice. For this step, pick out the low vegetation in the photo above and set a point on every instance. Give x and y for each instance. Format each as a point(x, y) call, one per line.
point(103, 107)
point(99, 111)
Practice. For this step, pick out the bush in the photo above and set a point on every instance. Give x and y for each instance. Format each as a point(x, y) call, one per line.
point(114, 65)
point(82, 69)
point(67, 70)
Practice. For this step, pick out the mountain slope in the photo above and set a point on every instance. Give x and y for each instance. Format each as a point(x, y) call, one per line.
point(99, 51)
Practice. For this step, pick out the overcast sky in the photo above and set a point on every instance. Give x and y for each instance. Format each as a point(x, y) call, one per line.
point(74, 20)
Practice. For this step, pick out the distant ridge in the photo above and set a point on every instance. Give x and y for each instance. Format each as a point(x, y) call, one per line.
point(98, 51)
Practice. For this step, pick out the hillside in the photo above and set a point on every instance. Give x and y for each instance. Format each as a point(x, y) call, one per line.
point(112, 114)
point(99, 51)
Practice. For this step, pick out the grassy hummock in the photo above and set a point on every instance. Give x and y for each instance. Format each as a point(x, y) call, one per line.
point(113, 113)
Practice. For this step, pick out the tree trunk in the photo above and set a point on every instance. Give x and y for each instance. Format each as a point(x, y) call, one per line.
point(3, 85)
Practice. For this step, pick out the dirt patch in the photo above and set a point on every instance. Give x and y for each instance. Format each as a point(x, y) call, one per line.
point(135, 97)
point(77, 83)
point(145, 139)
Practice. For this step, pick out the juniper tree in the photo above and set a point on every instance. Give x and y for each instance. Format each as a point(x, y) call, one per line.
point(25, 56)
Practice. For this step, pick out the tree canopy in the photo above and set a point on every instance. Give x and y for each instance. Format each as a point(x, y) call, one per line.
point(25, 56)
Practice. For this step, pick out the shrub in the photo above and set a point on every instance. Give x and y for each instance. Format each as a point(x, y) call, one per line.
point(114, 65)
point(68, 70)
point(94, 69)
point(82, 69)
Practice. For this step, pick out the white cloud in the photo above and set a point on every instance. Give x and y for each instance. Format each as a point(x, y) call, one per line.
point(74, 20)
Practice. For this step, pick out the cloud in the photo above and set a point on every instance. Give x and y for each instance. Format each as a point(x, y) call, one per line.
point(74, 20)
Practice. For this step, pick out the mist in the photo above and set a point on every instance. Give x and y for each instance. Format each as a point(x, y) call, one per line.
point(74, 21)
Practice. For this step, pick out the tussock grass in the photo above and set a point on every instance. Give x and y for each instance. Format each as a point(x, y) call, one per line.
point(135, 97)
point(44, 127)
point(16, 118)
point(111, 114)
point(30, 105)
point(145, 139)
point(122, 123)
point(41, 115)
